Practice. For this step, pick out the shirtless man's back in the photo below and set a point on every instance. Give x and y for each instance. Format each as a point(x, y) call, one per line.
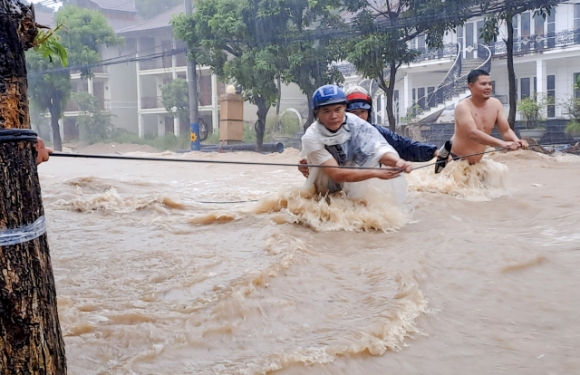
point(476, 117)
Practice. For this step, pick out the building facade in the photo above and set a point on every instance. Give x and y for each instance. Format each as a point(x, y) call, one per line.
point(546, 60)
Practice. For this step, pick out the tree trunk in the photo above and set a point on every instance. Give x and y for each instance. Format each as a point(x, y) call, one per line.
point(30, 337)
point(389, 90)
point(260, 126)
point(54, 110)
point(511, 72)
point(310, 118)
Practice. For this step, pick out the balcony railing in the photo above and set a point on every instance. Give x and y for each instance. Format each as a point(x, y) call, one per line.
point(158, 63)
point(104, 105)
point(151, 102)
point(448, 51)
point(539, 42)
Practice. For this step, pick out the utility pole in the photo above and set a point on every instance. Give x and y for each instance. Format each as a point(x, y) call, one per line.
point(192, 90)
point(30, 337)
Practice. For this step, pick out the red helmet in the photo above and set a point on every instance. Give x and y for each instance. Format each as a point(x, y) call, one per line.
point(358, 93)
point(358, 98)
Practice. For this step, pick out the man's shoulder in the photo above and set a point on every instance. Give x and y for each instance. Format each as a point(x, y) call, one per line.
point(462, 105)
point(495, 103)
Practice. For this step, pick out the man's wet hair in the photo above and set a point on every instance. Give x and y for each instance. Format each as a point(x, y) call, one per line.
point(473, 76)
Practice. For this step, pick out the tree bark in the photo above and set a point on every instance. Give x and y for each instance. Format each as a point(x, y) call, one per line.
point(260, 126)
point(54, 110)
point(30, 336)
point(390, 90)
point(511, 72)
point(310, 118)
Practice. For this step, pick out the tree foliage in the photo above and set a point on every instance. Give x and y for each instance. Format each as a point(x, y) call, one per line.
point(386, 26)
point(307, 61)
point(499, 12)
point(175, 95)
point(82, 34)
point(94, 125)
point(233, 37)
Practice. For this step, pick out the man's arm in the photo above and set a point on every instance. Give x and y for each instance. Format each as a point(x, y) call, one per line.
point(464, 120)
point(407, 148)
point(505, 130)
point(356, 175)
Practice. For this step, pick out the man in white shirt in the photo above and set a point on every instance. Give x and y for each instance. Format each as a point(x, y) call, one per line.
point(338, 138)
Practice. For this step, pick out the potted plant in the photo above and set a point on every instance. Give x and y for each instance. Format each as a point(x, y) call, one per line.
point(531, 110)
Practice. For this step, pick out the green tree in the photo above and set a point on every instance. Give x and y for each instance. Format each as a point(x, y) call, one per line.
point(83, 33)
point(94, 125)
point(386, 26)
point(234, 37)
point(175, 95)
point(499, 12)
point(307, 61)
point(151, 8)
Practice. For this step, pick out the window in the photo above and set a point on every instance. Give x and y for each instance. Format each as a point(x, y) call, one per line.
point(430, 97)
point(421, 43)
point(414, 101)
point(551, 96)
point(492, 88)
point(525, 88)
point(515, 23)
point(421, 94)
point(460, 36)
point(577, 23)
point(525, 43)
point(539, 31)
point(552, 29)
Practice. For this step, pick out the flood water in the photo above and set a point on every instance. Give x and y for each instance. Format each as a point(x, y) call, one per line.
point(478, 273)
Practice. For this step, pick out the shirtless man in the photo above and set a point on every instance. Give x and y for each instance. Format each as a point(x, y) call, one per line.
point(476, 117)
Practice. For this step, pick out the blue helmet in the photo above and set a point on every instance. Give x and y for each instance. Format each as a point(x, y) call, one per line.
point(327, 95)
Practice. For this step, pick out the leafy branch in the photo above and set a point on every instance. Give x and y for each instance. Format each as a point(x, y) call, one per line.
point(47, 44)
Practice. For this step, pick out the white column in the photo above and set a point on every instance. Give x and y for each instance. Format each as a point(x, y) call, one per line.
point(141, 127)
point(61, 129)
point(90, 85)
point(176, 126)
point(214, 102)
point(141, 130)
point(541, 81)
point(160, 126)
point(406, 96)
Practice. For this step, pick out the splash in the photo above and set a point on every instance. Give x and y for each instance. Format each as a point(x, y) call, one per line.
point(483, 181)
point(112, 201)
point(376, 212)
point(566, 158)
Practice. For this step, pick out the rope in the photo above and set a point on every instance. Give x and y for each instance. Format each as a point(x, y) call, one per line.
point(199, 161)
point(60, 154)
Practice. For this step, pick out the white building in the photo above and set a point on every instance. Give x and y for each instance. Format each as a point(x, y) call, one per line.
point(547, 61)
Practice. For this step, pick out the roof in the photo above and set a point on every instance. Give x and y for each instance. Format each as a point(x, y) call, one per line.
point(118, 5)
point(158, 22)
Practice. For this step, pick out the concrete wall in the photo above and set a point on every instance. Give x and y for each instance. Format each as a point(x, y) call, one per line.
point(121, 89)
